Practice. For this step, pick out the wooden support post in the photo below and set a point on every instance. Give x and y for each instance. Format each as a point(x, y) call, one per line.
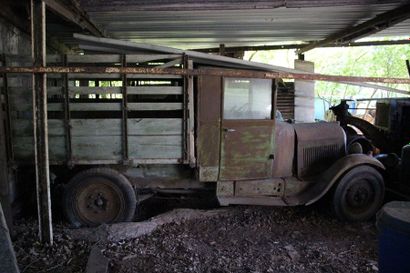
point(185, 114)
point(191, 117)
point(38, 42)
point(5, 151)
point(222, 49)
point(67, 117)
point(124, 108)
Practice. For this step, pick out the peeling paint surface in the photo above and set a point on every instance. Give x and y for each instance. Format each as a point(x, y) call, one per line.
point(246, 149)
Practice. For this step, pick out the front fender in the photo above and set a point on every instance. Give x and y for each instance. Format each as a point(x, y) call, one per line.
point(340, 167)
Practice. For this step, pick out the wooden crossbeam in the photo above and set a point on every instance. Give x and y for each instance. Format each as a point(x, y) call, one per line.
point(75, 14)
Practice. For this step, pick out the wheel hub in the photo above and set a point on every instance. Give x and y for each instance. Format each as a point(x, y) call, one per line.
point(359, 195)
point(98, 202)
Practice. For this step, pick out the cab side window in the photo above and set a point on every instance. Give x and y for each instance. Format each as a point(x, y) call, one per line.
point(247, 98)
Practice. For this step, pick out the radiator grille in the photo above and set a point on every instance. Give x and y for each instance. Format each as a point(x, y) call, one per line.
point(317, 159)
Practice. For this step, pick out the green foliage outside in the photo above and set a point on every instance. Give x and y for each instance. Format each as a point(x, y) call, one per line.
point(380, 61)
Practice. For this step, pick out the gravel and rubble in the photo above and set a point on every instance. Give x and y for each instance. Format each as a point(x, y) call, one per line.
point(251, 239)
point(234, 239)
point(65, 255)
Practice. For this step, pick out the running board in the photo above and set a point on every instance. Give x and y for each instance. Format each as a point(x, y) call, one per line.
point(266, 192)
point(258, 201)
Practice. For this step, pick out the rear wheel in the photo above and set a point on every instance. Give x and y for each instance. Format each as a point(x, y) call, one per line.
point(97, 196)
point(359, 194)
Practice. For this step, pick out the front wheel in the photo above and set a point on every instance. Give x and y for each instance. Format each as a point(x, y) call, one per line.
point(359, 194)
point(97, 196)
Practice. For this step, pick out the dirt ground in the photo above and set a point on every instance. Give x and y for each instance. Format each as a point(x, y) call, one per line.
point(65, 255)
point(241, 239)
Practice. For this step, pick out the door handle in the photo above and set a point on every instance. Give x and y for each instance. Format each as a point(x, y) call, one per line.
point(228, 130)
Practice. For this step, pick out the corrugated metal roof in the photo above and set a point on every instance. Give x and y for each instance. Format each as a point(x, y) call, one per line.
point(196, 24)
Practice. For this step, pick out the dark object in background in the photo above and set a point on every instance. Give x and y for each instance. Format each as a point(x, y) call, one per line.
point(405, 167)
point(393, 222)
point(390, 131)
point(8, 261)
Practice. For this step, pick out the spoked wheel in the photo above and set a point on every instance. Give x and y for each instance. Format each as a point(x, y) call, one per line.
point(98, 196)
point(359, 194)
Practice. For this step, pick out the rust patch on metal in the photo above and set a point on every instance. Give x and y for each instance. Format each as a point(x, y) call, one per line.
point(284, 150)
point(208, 132)
point(246, 149)
point(225, 188)
point(268, 187)
point(318, 146)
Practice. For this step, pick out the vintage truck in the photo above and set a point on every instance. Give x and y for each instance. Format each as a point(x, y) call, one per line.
point(115, 140)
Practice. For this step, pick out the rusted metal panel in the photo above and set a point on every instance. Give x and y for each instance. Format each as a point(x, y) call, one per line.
point(246, 149)
point(225, 188)
point(318, 146)
point(268, 187)
point(208, 173)
point(284, 147)
point(208, 134)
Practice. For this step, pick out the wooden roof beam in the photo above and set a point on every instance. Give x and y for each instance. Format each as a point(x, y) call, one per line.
point(75, 14)
point(378, 23)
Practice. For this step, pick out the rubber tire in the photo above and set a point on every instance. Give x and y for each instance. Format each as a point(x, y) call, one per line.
point(339, 205)
point(81, 179)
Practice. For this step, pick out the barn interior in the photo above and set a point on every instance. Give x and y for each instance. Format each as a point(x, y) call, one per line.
point(115, 89)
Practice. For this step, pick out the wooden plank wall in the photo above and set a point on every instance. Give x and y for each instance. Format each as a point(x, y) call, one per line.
point(154, 113)
point(286, 100)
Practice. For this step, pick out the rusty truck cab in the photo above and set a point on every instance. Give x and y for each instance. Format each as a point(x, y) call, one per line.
point(236, 128)
point(255, 159)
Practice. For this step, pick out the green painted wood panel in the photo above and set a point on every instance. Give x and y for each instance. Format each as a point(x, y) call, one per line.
point(153, 126)
point(96, 147)
point(146, 147)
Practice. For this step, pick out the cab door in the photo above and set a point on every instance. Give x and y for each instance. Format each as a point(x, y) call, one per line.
point(247, 129)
